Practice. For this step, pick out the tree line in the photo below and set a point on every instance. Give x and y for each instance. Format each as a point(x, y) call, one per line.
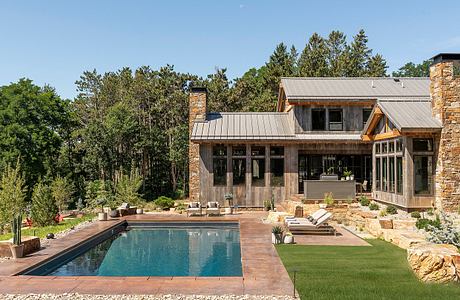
point(136, 121)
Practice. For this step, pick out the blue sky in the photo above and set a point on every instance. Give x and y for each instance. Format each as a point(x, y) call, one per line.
point(53, 42)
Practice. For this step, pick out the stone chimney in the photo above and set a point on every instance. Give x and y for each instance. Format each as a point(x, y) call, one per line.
point(197, 113)
point(445, 101)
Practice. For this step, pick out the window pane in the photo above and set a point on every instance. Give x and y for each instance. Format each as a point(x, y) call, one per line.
point(220, 171)
point(276, 150)
point(239, 150)
point(257, 151)
point(318, 119)
point(399, 175)
point(219, 150)
point(335, 119)
point(377, 148)
point(384, 174)
point(384, 147)
point(377, 171)
point(399, 145)
point(392, 174)
point(422, 174)
point(258, 171)
point(366, 115)
point(391, 146)
point(277, 171)
point(239, 170)
point(422, 144)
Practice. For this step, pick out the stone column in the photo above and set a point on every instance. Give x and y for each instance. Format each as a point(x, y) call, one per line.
point(197, 113)
point(445, 99)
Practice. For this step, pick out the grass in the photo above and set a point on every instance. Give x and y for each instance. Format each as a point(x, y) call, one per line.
point(41, 232)
point(341, 272)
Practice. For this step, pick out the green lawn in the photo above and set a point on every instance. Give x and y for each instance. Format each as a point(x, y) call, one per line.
point(41, 232)
point(378, 272)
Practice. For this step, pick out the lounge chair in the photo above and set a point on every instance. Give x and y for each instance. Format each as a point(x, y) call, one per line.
point(125, 209)
point(194, 208)
point(314, 216)
point(213, 208)
point(316, 227)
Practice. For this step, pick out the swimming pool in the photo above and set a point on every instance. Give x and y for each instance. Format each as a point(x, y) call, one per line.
point(155, 249)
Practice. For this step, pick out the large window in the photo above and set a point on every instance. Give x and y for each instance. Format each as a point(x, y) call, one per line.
point(384, 174)
point(239, 165)
point(335, 119)
point(258, 166)
point(318, 119)
point(366, 115)
point(422, 175)
point(377, 175)
point(277, 166)
point(399, 175)
point(219, 165)
point(391, 173)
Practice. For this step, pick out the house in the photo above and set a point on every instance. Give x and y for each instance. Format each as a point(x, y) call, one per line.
point(398, 137)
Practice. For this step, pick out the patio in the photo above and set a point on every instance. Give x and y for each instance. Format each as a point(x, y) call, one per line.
point(263, 271)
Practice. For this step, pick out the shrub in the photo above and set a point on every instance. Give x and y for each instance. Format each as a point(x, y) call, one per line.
point(383, 213)
point(329, 198)
point(164, 202)
point(373, 206)
point(364, 201)
point(44, 209)
point(430, 212)
point(349, 200)
point(127, 189)
point(62, 191)
point(391, 210)
point(415, 214)
point(423, 223)
point(267, 205)
point(445, 233)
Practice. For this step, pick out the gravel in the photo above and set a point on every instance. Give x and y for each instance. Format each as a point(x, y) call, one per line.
point(46, 242)
point(75, 296)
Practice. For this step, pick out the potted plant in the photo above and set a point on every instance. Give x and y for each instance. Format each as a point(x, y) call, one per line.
point(102, 216)
point(17, 248)
point(139, 210)
point(289, 238)
point(347, 174)
point(229, 203)
point(267, 205)
point(277, 235)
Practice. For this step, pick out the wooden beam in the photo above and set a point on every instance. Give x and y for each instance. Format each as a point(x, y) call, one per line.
point(378, 114)
point(387, 135)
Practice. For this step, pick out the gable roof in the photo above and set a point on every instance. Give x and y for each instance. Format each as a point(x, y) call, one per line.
point(406, 115)
point(354, 88)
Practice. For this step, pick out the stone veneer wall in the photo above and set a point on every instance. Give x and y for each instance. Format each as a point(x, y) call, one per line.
point(445, 97)
point(197, 112)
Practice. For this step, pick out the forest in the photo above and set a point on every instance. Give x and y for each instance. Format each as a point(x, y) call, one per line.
point(128, 129)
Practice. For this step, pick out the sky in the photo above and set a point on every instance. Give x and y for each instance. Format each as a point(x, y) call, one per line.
point(53, 41)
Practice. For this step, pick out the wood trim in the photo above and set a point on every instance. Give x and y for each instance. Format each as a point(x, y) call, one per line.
point(387, 135)
point(377, 115)
point(326, 102)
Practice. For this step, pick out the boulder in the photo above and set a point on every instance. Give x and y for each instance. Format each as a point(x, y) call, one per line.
point(434, 263)
point(386, 223)
point(404, 224)
point(276, 217)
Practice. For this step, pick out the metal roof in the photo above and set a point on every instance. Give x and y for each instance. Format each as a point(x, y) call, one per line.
point(354, 88)
point(407, 115)
point(243, 126)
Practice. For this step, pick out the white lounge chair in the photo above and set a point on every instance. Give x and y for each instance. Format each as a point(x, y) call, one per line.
point(194, 208)
point(213, 208)
point(314, 216)
point(316, 227)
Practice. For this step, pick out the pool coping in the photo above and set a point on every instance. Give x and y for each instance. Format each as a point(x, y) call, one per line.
point(263, 271)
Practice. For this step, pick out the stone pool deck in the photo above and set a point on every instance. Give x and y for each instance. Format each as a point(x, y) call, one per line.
point(263, 271)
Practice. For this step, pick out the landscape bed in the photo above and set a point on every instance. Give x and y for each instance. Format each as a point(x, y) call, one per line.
point(152, 249)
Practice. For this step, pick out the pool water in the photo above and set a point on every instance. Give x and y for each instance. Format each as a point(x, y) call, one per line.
point(182, 251)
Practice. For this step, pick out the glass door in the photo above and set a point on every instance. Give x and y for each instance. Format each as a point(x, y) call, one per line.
point(303, 171)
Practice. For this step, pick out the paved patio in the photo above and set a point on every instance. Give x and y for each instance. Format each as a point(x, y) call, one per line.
point(263, 271)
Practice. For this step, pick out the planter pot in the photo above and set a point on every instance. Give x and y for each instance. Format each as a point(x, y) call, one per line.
point(386, 223)
point(113, 213)
point(102, 216)
point(139, 211)
point(17, 251)
point(348, 177)
point(322, 205)
point(276, 239)
point(228, 210)
point(352, 177)
point(289, 239)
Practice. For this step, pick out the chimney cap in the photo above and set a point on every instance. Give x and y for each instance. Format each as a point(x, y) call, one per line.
point(445, 57)
point(198, 89)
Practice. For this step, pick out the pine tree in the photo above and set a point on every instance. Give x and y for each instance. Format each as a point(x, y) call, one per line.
point(357, 55)
point(219, 91)
point(281, 63)
point(44, 209)
point(62, 191)
point(313, 60)
point(376, 66)
point(336, 44)
point(414, 70)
